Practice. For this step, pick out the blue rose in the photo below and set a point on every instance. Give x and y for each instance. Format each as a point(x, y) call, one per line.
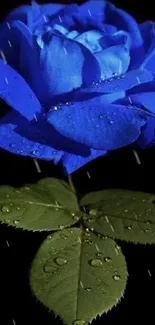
point(79, 81)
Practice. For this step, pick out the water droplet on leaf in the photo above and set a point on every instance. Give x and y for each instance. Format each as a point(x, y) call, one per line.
point(60, 260)
point(116, 277)
point(99, 254)
point(61, 227)
point(129, 227)
point(149, 222)
point(5, 209)
point(107, 259)
point(93, 212)
point(7, 220)
point(91, 220)
point(47, 268)
point(75, 217)
point(79, 322)
point(12, 145)
point(16, 222)
point(96, 262)
point(88, 289)
point(63, 236)
point(27, 188)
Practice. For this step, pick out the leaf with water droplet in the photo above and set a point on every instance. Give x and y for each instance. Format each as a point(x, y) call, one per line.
point(46, 205)
point(75, 274)
point(121, 214)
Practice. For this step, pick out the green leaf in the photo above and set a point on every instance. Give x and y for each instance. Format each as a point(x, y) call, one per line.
point(47, 205)
point(121, 214)
point(78, 275)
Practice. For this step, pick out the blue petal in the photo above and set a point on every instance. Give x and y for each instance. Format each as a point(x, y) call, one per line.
point(90, 7)
point(12, 36)
point(59, 67)
point(31, 145)
point(21, 13)
point(146, 99)
point(114, 60)
point(66, 16)
point(102, 127)
point(116, 38)
point(148, 34)
point(90, 40)
point(39, 131)
point(17, 93)
point(119, 83)
point(35, 146)
point(98, 98)
point(123, 21)
point(72, 162)
point(147, 137)
point(149, 62)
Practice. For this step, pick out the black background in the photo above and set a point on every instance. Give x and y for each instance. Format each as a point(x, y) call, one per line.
point(117, 170)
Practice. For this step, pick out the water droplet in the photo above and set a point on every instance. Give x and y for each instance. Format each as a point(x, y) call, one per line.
point(107, 259)
point(88, 289)
point(18, 208)
point(86, 240)
point(63, 236)
point(129, 227)
point(5, 209)
point(79, 322)
point(149, 222)
point(117, 247)
point(75, 217)
point(101, 117)
point(93, 212)
point(61, 227)
point(12, 145)
point(96, 262)
point(27, 188)
point(116, 277)
point(47, 267)
point(16, 222)
point(99, 254)
point(104, 237)
point(49, 237)
point(34, 152)
point(7, 220)
point(7, 195)
point(60, 260)
point(126, 210)
point(17, 191)
point(111, 122)
point(91, 220)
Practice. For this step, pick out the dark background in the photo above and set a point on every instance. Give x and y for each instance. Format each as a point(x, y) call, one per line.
point(119, 170)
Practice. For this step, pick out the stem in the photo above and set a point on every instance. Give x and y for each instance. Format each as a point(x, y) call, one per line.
point(70, 182)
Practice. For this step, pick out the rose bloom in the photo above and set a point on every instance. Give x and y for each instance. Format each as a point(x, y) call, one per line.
point(78, 80)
